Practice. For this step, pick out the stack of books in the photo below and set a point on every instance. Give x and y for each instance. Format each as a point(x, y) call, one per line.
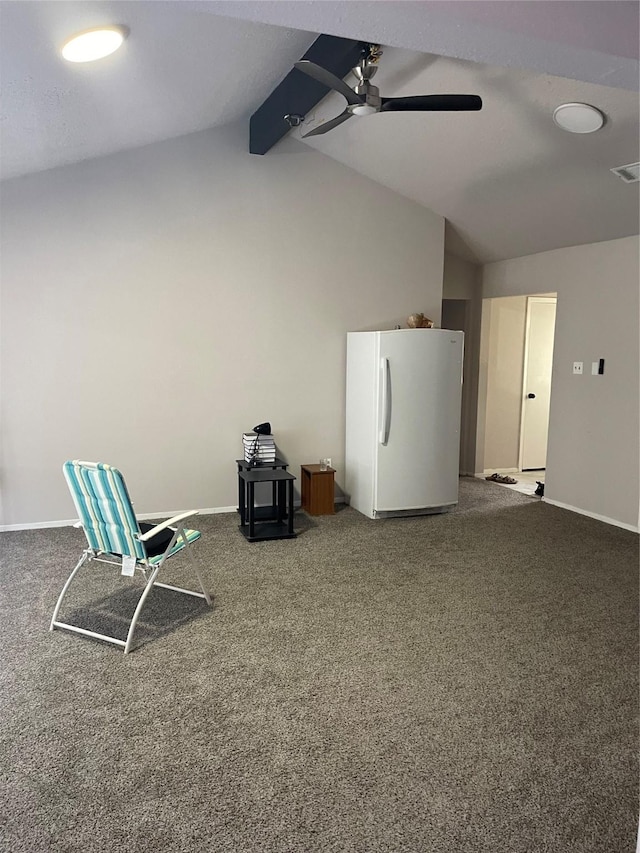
point(258, 448)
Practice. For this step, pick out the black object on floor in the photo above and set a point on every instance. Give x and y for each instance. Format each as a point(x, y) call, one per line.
point(539, 489)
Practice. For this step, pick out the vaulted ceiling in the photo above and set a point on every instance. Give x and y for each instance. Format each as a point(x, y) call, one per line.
point(508, 180)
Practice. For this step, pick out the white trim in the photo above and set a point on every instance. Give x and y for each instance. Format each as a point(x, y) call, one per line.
point(498, 471)
point(37, 525)
point(595, 515)
point(69, 522)
point(212, 510)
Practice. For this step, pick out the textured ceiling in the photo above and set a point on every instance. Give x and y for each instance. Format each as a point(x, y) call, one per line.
point(508, 181)
point(180, 70)
point(591, 40)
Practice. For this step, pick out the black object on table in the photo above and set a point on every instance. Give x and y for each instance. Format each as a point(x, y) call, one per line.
point(255, 530)
point(261, 513)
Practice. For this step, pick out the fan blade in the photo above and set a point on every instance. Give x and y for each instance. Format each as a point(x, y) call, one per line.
point(328, 79)
point(329, 125)
point(432, 102)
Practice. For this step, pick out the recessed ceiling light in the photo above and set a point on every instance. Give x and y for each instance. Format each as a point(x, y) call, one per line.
point(578, 118)
point(93, 44)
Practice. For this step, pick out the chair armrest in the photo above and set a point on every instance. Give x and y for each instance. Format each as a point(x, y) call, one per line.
point(165, 524)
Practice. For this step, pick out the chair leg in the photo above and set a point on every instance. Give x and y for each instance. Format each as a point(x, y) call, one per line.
point(152, 581)
point(194, 566)
point(81, 563)
point(139, 606)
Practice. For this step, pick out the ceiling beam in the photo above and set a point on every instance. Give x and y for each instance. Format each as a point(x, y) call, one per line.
point(298, 93)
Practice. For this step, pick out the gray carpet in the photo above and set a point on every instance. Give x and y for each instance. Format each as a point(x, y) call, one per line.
point(455, 683)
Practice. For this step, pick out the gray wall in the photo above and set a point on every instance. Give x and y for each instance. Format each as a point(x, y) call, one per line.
point(593, 456)
point(460, 278)
point(158, 302)
point(462, 285)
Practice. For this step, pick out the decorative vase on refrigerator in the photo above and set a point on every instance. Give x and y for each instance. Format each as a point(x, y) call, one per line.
point(404, 390)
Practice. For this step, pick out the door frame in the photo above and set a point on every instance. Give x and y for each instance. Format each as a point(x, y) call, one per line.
point(525, 365)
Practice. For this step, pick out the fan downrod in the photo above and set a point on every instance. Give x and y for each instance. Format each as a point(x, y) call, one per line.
point(363, 72)
point(368, 64)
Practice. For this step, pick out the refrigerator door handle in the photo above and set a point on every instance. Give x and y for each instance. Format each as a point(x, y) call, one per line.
point(386, 401)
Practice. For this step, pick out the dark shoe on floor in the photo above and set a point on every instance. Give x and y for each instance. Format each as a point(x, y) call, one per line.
point(501, 478)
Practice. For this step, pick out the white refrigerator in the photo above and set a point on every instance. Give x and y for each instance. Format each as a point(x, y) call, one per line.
point(404, 390)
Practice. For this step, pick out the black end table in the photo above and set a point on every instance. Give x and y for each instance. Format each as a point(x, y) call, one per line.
point(257, 530)
point(261, 513)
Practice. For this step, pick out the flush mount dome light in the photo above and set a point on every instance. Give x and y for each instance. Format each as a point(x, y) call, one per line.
point(93, 44)
point(363, 110)
point(578, 118)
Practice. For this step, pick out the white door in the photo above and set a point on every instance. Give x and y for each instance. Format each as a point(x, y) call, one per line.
point(536, 386)
point(419, 419)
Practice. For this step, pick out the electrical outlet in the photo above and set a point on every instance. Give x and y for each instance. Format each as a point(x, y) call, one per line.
point(577, 367)
point(329, 462)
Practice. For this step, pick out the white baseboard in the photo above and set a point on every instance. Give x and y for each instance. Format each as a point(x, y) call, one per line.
point(69, 522)
point(38, 525)
point(595, 515)
point(211, 510)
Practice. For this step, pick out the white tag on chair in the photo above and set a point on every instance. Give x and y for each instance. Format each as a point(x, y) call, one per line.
point(128, 566)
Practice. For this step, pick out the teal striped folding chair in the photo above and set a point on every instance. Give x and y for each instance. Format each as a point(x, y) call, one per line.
point(115, 536)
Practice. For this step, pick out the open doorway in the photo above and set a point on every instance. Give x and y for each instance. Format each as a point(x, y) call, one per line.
point(516, 355)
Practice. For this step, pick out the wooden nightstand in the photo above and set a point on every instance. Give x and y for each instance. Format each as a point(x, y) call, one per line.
point(316, 488)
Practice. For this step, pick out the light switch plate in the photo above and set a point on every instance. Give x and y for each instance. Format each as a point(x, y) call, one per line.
point(594, 368)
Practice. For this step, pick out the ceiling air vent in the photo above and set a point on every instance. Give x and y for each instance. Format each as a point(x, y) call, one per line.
point(629, 174)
